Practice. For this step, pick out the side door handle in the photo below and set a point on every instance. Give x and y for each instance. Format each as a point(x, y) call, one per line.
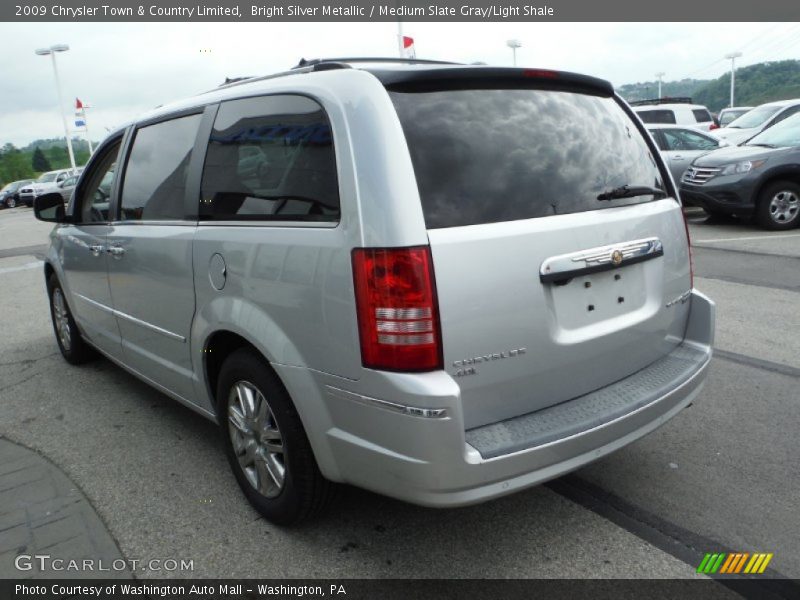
point(116, 251)
point(677, 157)
point(96, 249)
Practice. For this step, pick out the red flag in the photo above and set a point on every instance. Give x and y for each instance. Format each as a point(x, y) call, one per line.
point(78, 104)
point(408, 47)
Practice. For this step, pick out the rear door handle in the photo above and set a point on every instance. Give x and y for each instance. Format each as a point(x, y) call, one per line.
point(677, 157)
point(116, 251)
point(96, 249)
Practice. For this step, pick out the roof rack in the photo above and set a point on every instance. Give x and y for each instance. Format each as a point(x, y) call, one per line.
point(318, 63)
point(665, 100)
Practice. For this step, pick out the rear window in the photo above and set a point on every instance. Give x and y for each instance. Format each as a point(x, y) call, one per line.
point(485, 156)
point(661, 116)
point(701, 115)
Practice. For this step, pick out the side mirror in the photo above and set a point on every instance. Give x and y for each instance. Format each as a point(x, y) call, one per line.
point(49, 208)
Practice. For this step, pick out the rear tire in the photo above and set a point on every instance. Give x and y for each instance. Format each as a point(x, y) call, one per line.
point(73, 347)
point(779, 206)
point(266, 444)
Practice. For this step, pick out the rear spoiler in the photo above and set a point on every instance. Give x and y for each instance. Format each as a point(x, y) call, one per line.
point(480, 77)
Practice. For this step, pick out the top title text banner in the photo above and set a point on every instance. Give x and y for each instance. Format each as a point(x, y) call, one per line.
point(411, 10)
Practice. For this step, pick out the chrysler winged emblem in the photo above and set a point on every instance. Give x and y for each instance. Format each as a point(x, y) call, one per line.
point(616, 258)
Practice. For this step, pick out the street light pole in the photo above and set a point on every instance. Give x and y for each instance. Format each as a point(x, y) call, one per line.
point(660, 74)
point(732, 57)
point(514, 44)
point(52, 52)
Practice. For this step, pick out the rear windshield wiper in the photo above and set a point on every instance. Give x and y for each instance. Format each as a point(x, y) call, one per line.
point(628, 191)
point(763, 145)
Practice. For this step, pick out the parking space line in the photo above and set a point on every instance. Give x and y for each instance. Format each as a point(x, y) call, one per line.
point(747, 238)
point(25, 267)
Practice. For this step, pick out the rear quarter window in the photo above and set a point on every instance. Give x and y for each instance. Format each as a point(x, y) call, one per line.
point(701, 115)
point(485, 156)
point(270, 158)
point(659, 116)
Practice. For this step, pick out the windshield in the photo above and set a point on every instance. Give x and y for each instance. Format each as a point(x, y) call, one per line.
point(489, 155)
point(783, 135)
point(754, 118)
point(7, 187)
point(46, 178)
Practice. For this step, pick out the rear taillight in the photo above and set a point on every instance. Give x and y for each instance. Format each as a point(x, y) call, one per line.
point(713, 126)
point(398, 314)
point(689, 246)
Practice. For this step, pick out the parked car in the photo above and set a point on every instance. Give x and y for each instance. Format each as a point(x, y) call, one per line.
point(674, 111)
point(728, 115)
point(681, 145)
point(66, 187)
point(9, 195)
point(45, 184)
point(760, 177)
point(348, 314)
point(757, 120)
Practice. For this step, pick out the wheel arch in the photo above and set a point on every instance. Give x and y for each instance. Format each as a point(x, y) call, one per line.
point(781, 174)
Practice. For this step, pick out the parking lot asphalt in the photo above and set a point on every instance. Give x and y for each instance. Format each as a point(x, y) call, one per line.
point(724, 475)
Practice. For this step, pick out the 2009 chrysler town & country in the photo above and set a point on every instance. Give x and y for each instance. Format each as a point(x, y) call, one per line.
point(443, 283)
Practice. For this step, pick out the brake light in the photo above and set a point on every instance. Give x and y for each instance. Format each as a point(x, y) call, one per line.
point(398, 313)
point(713, 126)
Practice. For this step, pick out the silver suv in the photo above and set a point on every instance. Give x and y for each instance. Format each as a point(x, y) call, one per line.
point(443, 283)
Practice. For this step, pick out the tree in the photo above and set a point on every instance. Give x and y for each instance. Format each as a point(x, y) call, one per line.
point(14, 164)
point(40, 162)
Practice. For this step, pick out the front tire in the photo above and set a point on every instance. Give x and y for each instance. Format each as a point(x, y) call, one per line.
point(779, 206)
point(265, 442)
point(73, 348)
point(11, 202)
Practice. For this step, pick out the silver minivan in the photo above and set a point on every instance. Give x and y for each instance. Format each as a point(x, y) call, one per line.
point(440, 282)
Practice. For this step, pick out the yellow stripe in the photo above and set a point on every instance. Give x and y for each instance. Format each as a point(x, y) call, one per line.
point(728, 562)
point(739, 566)
point(754, 568)
point(749, 566)
point(765, 563)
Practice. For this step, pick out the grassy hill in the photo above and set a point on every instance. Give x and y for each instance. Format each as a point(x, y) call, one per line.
point(16, 163)
point(755, 84)
point(645, 90)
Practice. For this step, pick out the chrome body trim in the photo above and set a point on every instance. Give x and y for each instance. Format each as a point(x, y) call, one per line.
point(602, 258)
point(134, 320)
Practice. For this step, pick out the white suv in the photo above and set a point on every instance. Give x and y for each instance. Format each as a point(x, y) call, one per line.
point(46, 183)
point(674, 111)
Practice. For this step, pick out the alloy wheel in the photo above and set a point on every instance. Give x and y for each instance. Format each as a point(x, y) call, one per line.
point(784, 206)
point(256, 439)
point(61, 316)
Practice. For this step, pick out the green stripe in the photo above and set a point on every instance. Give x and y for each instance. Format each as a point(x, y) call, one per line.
point(702, 567)
point(718, 564)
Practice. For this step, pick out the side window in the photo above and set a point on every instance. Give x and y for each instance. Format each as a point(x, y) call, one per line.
point(657, 116)
point(681, 139)
point(270, 158)
point(94, 193)
point(701, 115)
point(154, 184)
point(785, 114)
point(658, 137)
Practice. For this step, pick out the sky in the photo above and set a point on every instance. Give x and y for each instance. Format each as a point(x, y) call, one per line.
point(124, 69)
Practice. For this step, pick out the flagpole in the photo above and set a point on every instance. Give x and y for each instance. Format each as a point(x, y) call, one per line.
point(400, 39)
point(86, 130)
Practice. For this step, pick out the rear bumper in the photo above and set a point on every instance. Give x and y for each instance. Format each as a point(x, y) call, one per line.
point(433, 461)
